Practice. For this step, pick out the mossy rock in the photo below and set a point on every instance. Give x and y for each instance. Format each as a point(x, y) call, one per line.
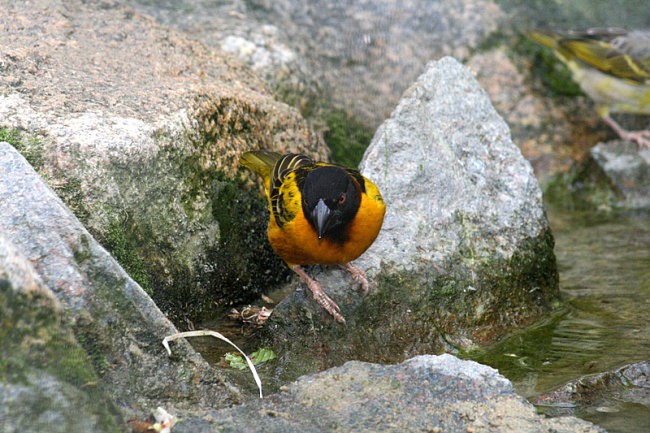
point(465, 306)
point(44, 373)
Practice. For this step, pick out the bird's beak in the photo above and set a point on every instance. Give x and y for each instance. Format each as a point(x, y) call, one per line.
point(320, 215)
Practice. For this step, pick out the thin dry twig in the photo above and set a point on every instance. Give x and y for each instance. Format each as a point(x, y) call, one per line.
point(214, 334)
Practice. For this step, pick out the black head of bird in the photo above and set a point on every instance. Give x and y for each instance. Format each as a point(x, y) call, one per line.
point(331, 199)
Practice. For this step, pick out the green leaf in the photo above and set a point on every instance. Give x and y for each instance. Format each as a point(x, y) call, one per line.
point(237, 361)
point(262, 355)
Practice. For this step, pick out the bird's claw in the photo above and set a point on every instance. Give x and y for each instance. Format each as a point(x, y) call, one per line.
point(325, 301)
point(642, 137)
point(319, 295)
point(358, 275)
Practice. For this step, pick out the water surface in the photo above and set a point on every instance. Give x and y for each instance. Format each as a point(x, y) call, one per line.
point(604, 322)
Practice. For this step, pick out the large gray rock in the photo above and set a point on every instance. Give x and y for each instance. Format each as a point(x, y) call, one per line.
point(116, 323)
point(465, 253)
point(139, 133)
point(454, 183)
point(425, 393)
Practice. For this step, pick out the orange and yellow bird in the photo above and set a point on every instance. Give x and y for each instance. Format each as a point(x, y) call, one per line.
point(612, 66)
point(321, 213)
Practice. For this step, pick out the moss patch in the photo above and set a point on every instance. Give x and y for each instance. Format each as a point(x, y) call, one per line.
point(347, 138)
point(244, 255)
point(35, 338)
point(29, 146)
point(182, 225)
point(121, 240)
point(232, 261)
point(32, 149)
point(584, 187)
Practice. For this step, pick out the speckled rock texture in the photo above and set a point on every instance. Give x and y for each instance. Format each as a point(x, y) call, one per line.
point(425, 393)
point(358, 56)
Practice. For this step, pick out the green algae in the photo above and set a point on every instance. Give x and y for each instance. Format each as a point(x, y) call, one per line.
point(584, 187)
point(347, 138)
point(121, 240)
point(246, 258)
point(29, 145)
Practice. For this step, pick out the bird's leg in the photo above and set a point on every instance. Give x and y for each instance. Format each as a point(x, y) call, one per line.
point(358, 275)
point(642, 138)
point(319, 295)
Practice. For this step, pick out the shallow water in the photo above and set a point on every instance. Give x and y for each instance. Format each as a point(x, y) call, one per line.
point(604, 323)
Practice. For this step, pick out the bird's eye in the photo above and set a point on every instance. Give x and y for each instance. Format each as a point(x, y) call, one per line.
point(342, 198)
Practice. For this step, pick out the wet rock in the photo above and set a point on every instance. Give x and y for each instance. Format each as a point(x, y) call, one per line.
point(139, 133)
point(465, 243)
point(628, 169)
point(600, 392)
point(616, 175)
point(425, 393)
point(118, 326)
point(48, 382)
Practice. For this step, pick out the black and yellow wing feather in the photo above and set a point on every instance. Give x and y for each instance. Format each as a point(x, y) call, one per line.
point(617, 52)
point(283, 175)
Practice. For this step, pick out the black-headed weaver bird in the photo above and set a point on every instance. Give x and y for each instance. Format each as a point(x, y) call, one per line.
point(612, 66)
point(321, 213)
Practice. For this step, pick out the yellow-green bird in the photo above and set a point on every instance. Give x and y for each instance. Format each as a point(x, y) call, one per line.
point(612, 66)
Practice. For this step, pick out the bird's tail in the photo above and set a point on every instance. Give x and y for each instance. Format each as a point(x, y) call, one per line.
point(260, 161)
point(547, 39)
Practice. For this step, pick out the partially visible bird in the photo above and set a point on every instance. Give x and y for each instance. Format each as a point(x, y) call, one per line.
point(612, 66)
point(321, 213)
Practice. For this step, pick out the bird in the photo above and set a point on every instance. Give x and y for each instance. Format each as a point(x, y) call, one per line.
point(320, 213)
point(612, 66)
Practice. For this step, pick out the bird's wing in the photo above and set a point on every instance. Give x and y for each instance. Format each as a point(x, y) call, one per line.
point(284, 167)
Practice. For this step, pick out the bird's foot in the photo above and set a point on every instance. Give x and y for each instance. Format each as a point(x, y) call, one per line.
point(642, 137)
point(358, 275)
point(319, 294)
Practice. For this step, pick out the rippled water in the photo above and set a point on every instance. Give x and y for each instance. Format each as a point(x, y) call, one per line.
point(604, 323)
